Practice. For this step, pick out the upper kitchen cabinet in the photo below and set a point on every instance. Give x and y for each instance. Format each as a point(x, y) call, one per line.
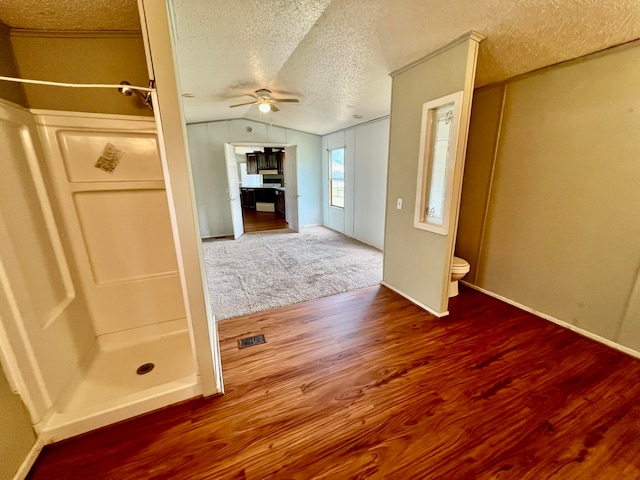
point(252, 163)
point(262, 162)
point(280, 162)
point(267, 162)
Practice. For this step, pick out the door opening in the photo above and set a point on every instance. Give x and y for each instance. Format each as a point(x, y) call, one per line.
point(262, 187)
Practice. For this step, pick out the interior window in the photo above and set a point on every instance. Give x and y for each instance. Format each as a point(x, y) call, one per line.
point(336, 158)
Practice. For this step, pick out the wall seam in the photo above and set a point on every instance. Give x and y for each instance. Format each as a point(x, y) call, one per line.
point(494, 160)
point(635, 290)
point(353, 184)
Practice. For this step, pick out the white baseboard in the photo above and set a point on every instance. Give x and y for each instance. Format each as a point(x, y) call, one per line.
point(573, 328)
point(216, 235)
point(413, 300)
point(366, 242)
point(30, 459)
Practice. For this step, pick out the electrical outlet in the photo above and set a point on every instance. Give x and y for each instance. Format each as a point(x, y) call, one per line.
point(399, 204)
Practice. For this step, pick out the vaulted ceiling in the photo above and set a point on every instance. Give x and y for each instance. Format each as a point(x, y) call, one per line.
point(335, 55)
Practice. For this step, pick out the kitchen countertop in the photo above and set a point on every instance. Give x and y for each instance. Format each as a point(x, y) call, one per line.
point(264, 185)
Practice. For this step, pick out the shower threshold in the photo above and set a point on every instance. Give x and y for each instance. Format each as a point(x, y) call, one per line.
point(108, 387)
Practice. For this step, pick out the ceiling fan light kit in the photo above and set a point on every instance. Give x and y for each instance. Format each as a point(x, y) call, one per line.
point(266, 102)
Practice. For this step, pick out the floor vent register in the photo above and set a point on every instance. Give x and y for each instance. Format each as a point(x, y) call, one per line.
point(250, 341)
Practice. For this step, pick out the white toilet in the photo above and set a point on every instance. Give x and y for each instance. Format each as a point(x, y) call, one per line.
point(459, 268)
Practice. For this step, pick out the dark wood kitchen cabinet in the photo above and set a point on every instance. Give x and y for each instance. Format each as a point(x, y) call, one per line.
point(262, 161)
point(280, 202)
point(280, 162)
point(275, 161)
point(248, 198)
point(272, 160)
point(267, 161)
point(252, 164)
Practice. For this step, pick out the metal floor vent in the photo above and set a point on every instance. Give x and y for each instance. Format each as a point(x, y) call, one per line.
point(250, 341)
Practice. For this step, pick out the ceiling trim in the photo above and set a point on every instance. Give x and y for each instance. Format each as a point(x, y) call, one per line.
point(471, 35)
point(22, 32)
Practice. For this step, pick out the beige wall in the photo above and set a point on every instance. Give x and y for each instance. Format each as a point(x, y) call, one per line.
point(95, 57)
point(17, 436)
point(9, 90)
point(562, 225)
point(483, 134)
point(417, 262)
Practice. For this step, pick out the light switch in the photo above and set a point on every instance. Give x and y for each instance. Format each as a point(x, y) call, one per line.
point(399, 204)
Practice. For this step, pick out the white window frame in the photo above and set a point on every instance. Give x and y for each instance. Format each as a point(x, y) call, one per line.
point(330, 151)
point(426, 163)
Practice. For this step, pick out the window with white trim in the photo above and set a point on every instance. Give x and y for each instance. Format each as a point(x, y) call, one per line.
point(336, 179)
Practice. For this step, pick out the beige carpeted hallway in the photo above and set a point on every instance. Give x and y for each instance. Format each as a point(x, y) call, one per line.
point(266, 270)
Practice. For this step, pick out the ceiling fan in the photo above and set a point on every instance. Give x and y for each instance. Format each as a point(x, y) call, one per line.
point(265, 101)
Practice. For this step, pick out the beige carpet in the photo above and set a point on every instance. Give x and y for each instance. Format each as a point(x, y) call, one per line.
point(266, 270)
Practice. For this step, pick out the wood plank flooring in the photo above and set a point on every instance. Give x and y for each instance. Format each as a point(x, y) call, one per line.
point(367, 385)
point(262, 221)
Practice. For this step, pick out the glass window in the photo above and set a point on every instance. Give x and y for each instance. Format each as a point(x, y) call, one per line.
point(439, 139)
point(336, 158)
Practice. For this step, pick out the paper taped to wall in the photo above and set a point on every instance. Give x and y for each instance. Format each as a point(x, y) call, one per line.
point(109, 159)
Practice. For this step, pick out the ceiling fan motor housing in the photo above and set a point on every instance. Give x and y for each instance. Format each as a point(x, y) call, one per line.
point(263, 93)
point(265, 102)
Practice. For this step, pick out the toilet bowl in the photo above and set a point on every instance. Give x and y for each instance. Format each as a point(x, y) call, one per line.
point(459, 268)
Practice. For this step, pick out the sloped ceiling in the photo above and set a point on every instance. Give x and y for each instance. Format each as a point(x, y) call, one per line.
point(335, 55)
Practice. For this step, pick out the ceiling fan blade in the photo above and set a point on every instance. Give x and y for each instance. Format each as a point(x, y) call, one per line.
point(290, 100)
point(242, 104)
point(274, 108)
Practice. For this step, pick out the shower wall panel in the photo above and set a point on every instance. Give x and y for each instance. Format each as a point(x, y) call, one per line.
point(109, 180)
point(44, 327)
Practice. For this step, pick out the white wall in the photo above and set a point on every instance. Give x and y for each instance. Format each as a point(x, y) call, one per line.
point(309, 176)
point(333, 217)
point(206, 149)
point(365, 176)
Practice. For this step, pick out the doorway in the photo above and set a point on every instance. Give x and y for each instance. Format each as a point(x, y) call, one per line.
point(262, 186)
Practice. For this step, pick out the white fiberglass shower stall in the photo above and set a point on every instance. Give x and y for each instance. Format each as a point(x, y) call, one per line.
point(91, 287)
point(103, 313)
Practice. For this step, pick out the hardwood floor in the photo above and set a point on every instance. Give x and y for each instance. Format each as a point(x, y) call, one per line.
point(367, 385)
point(261, 221)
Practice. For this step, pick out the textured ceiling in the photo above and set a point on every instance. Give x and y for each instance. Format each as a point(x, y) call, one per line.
point(335, 55)
point(70, 14)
